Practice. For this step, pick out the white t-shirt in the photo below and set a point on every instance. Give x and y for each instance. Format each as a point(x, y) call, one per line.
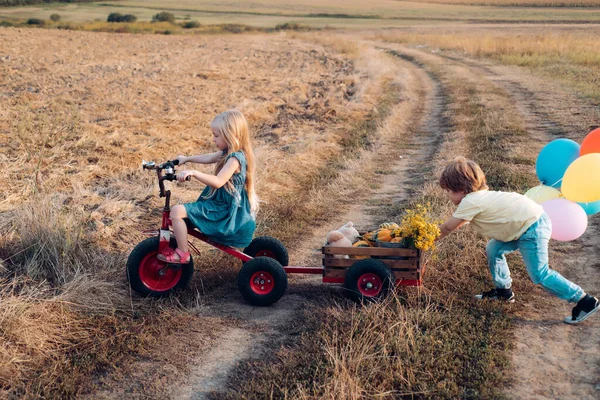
point(502, 216)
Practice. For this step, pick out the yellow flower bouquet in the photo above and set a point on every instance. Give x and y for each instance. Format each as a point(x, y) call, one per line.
point(418, 229)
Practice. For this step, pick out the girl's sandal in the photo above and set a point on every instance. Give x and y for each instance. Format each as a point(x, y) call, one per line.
point(168, 256)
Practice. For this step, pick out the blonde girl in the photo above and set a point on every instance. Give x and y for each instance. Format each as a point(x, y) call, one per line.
point(226, 208)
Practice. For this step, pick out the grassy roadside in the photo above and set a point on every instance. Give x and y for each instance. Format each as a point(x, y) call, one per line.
point(432, 342)
point(334, 13)
point(164, 28)
point(571, 56)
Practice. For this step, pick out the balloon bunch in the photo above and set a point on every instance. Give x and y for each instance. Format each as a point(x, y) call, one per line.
point(570, 184)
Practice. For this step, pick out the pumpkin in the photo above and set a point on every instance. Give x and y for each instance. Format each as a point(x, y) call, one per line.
point(369, 236)
point(383, 235)
point(361, 243)
point(389, 225)
point(397, 239)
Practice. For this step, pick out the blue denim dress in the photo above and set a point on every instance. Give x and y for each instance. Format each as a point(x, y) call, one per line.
point(225, 217)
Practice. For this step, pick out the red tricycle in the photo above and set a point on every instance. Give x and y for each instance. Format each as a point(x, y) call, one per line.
point(262, 280)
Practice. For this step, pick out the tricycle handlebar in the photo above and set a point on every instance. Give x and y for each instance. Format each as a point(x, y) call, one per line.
point(169, 172)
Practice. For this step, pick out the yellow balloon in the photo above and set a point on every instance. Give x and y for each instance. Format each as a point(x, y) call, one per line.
point(581, 182)
point(542, 193)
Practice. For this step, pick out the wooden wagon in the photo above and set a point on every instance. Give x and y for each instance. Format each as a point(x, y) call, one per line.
point(367, 272)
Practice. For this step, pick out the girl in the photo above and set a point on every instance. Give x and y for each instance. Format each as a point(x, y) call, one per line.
point(227, 206)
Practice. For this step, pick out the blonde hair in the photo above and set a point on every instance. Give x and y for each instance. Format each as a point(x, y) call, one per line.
point(232, 125)
point(462, 175)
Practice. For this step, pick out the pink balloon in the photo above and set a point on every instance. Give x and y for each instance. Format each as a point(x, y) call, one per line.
point(569, 220)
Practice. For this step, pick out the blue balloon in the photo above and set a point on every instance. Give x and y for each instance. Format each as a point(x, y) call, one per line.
point(554, 159)
point(591, 208)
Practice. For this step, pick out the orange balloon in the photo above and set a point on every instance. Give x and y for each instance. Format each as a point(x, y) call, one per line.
point(591, 143)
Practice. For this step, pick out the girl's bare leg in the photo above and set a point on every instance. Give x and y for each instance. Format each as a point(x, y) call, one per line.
point(178, 213)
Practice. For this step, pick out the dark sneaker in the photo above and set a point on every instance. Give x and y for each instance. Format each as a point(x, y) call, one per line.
point(584, 308)
point(506, 295)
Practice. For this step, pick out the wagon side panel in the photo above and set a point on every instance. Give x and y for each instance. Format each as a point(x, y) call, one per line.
point(406, 264)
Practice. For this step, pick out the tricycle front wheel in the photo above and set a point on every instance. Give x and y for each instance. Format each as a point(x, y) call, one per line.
point(149, 276)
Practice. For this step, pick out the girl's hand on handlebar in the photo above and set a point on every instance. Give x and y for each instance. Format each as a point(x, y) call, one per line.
point(182, 159)
point(185, 175)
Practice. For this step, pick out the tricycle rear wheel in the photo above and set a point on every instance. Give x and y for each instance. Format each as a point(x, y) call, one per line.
point(267, 246)
point(262, 281)
point(149, 276)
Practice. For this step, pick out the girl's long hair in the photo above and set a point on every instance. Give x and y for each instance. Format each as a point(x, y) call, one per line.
point(234, 128)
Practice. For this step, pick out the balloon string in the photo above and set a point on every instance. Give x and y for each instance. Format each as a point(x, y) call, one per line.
point(534, 195)
point(556, 182)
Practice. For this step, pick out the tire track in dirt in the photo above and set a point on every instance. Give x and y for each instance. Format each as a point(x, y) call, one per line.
point(545, 107)
point(256, 332)
point(551, 359)
point(416, 124)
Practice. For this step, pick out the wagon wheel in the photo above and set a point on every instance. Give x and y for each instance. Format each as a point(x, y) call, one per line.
point(368, 280)
point(267, 246)
point(262, 281)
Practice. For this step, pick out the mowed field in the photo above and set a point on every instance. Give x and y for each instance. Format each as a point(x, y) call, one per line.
point(80, 112)
point(331, 114)
point(339, 14)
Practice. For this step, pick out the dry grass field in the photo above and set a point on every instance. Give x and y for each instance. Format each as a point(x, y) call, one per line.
point(82, 110)
point(518, 3)
point(331, 13)
point(330, 114)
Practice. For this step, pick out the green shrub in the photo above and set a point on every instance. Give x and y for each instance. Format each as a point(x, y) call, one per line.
point(35, 21)
point(114, 17)
point(55, 17)
point(117, 17)
point(6, 23)
point(164, 17)
point(191, 24)
point(128, 18)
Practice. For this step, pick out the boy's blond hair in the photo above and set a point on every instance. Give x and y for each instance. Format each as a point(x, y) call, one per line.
point(234, 128)
point(463, 175)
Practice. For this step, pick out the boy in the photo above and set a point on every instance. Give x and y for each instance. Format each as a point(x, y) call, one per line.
point(512, 221)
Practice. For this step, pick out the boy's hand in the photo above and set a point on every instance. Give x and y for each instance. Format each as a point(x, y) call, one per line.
point(449, 226)
point(182, 159)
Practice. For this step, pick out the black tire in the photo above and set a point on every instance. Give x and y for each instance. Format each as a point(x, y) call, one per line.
point(262, 281)
point(267, 246)
point(143, 266)
point(368, 280)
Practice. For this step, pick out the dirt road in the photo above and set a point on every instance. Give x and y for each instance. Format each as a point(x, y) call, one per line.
point(551, 359)
point(415, 125)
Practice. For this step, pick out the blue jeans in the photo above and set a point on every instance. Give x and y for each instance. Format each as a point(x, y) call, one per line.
point(533, 245)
